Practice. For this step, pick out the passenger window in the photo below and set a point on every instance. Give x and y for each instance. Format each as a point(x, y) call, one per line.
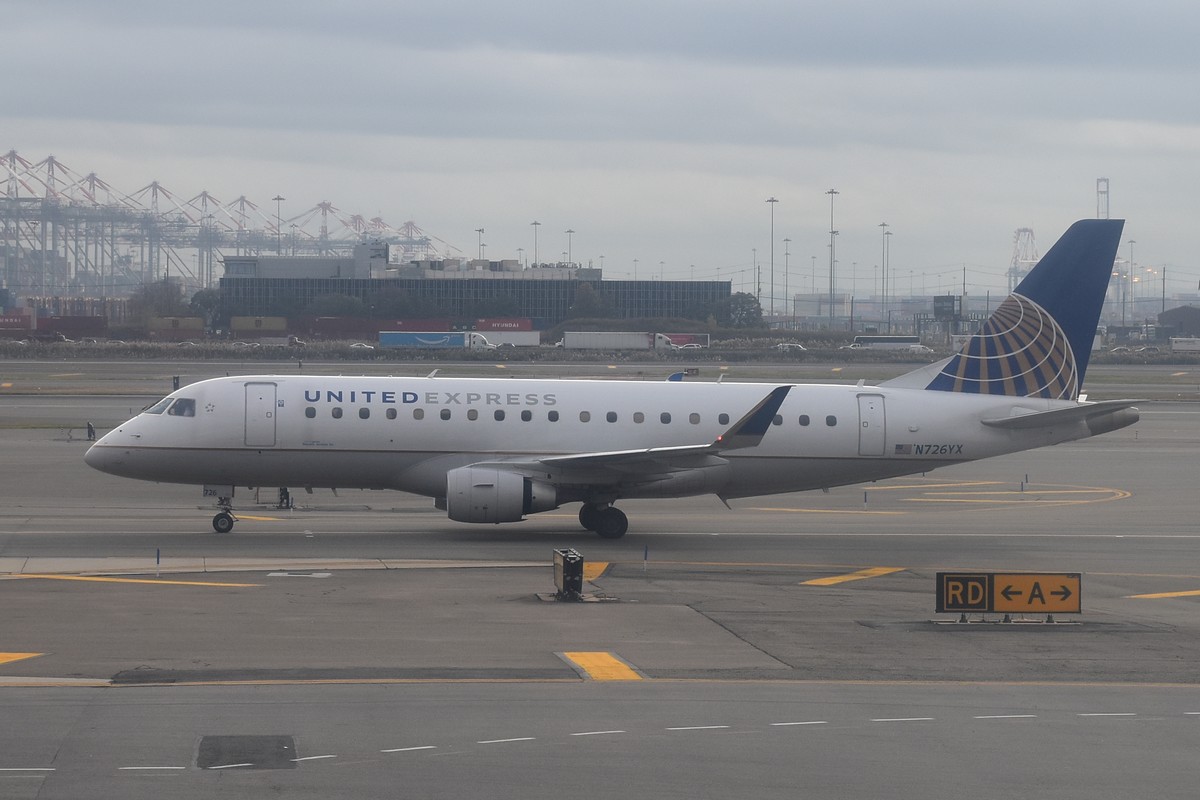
point(445, 413)
point(804, 420)
point(831, 420)
point(778, 420)
point(552, 416)
point(182, 407)
point(664, 418)
point(418, 413)
point(391, 413)
point(639, 417)
point(472, 414)
point(498, 415)
point(310, 412)
point(160, 406)
point(723, 419)
point(526, 415)
point(694, 418)
point(336, 412)
point(585, 416)
point(611, 416)
point(364, 413)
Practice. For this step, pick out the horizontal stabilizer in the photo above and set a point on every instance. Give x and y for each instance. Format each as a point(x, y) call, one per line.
point(1084, 412)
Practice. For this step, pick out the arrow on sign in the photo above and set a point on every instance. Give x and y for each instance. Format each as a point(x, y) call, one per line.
point(1064, 594)
point(1009, 593)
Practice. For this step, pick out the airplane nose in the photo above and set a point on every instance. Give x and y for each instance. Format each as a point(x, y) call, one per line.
point(102, 457)
point(94, 458)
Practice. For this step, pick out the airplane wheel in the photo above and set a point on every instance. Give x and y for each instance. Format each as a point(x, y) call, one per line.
point(589, 516)
point(611, 523)
point(223, 522)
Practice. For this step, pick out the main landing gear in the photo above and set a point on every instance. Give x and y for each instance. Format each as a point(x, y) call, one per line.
point(223, 521)
point(609, 522)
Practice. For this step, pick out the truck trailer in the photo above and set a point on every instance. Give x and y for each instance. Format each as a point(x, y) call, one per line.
point(435, 340)
point(615, 340)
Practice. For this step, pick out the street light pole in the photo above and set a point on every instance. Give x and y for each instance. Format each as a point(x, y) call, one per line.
point(1128, 284)
point(889, 278)
point(786, 296)
point(569, 233)
point(833, 193)
point(772, 201)
point(883, 259)
point(535, 225)
point(757, 276)
point(480, 232)
point(279, 223)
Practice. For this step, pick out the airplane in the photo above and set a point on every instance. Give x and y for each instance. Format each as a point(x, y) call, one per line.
point(495, 450)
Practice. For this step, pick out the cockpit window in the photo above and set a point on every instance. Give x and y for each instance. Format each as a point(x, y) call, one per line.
point(160, 406)
point(183, 407)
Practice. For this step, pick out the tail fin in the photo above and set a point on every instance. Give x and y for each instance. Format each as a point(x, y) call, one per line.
point(1037, 343)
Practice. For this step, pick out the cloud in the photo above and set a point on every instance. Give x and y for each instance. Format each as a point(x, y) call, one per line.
point(655, 129)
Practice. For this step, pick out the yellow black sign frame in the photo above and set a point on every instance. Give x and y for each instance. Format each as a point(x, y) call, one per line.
point(1009, 592)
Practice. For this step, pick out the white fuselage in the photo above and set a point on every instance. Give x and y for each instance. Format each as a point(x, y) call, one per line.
point(407, 433)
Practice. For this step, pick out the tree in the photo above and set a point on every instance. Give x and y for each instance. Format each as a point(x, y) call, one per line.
point(744, 311)
point(158, 299)
point(207, 303)
point(589, 304)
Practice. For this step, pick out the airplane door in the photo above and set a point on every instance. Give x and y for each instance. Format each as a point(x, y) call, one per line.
point(870, 425)
point(260, 415)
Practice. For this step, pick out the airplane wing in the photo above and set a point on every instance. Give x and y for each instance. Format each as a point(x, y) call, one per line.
point(1059, 416)
point(648, 462)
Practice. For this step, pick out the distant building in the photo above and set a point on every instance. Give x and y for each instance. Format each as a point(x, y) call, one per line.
point(1183, 321)
point(282, 285)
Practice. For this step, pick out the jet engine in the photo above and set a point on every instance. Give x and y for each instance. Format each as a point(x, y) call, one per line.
point(479, 494)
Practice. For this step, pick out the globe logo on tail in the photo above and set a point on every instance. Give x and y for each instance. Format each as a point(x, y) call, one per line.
point(1019, 352)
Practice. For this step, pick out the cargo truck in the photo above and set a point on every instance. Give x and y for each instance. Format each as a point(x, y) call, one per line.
point(615, 340)
point(1185, 344)
point(434, 340)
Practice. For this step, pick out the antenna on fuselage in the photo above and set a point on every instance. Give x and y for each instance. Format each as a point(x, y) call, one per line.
point(435, 372)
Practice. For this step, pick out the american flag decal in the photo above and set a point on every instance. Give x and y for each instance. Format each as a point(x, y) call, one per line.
point(904, 449)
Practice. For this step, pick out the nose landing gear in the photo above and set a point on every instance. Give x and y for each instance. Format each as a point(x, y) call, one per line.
point(223, 521)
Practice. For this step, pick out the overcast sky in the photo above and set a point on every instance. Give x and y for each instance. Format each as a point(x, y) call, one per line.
point(656, 130)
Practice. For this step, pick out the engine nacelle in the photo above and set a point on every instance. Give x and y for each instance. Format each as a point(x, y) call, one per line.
point(478, 494)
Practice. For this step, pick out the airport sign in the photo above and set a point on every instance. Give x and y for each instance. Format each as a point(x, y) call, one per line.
point(1009, 592)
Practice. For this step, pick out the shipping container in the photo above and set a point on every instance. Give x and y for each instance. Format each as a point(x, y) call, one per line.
point(504, 324)
point(251, 326)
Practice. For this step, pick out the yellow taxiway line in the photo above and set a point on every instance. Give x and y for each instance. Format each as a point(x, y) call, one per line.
point(6, 658)
point(602, 666)
point(593, 570)
point(1165, 595)
point(153, 581)
point(870, 572)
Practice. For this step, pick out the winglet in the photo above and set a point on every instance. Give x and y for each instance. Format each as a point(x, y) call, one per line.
point(750, 429)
